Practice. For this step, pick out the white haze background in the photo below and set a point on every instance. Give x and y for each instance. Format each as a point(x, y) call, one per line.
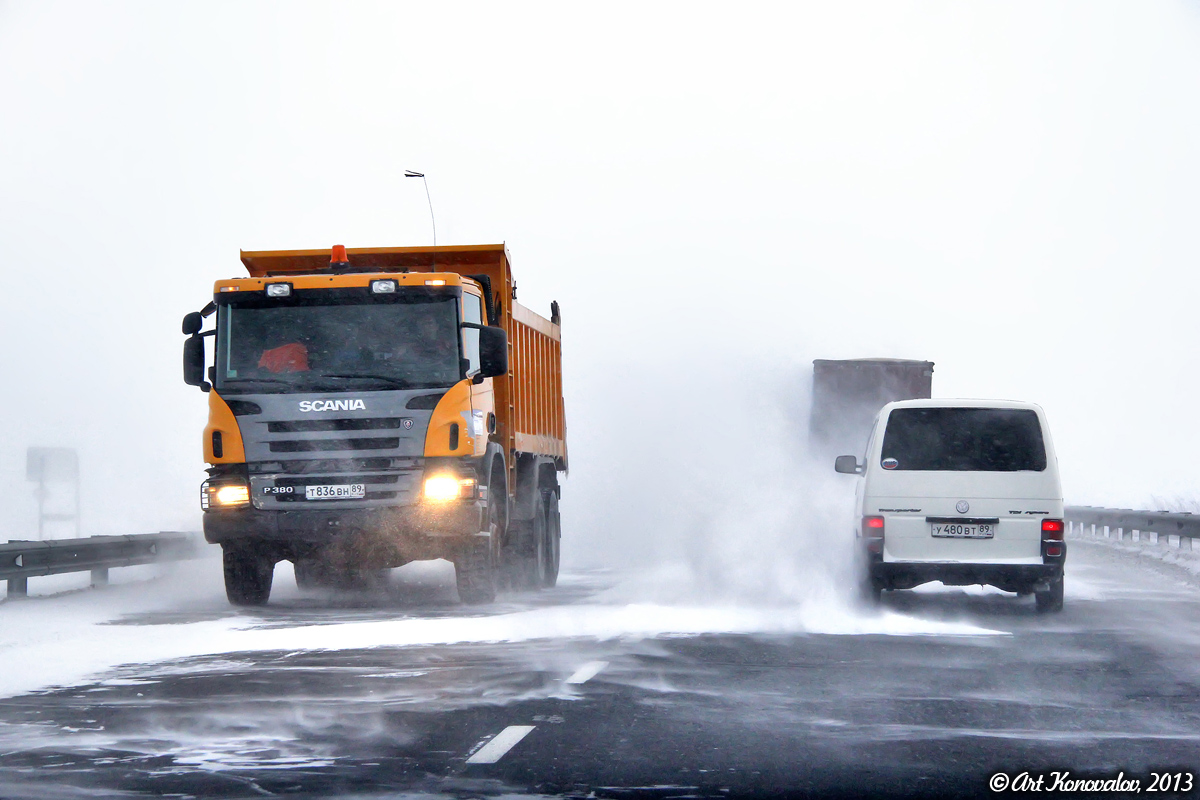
point(715, 194)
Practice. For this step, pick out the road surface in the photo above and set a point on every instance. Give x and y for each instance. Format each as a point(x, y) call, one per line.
point(135, 691)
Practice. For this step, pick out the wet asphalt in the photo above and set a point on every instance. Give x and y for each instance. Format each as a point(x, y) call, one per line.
point(1111, 685)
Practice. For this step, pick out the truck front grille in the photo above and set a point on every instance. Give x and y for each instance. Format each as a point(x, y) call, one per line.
point(370, 480)
point(324, 445)
point(321, 425)
point(302, 467)
point(284, 443)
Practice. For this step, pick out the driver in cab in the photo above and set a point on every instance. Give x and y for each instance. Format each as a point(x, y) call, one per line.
point(423, 342)
point(290, 357)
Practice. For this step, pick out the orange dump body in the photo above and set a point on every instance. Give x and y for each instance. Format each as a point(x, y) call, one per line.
point(530, 414)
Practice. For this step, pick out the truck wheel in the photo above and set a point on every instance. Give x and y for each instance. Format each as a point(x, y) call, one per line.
point(531, 557)
point(1051, 600)
point(475, 568)
point(248, 575)
point(475, 572)
point(310, 574)
point(353, 579)
point(552, 548)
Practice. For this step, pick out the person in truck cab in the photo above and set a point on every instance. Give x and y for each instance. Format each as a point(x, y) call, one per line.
point(422, 342)
point(429, 343)
point(290, 357)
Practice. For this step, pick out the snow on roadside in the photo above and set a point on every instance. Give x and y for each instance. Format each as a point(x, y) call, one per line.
point(70, 639)
point(1162, 550)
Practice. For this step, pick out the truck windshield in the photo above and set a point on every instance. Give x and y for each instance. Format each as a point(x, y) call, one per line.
point(406, 342)
point(964, 439)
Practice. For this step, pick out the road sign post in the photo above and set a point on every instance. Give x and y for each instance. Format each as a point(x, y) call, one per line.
point(53, 465)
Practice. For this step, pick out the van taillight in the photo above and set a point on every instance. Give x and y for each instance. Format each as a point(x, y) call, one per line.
point(1052, 538)
point(872, 531)
point(1052, 530)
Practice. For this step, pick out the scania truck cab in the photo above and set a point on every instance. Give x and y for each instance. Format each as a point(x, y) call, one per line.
point(371, 407)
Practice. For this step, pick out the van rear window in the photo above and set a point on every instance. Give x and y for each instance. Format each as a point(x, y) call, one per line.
point(964, 440)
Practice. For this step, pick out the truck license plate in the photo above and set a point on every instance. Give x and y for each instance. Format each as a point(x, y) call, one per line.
point(955, 531)
point(341, 491)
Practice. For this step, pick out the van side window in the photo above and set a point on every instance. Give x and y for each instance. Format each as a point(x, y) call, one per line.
point(871, 440)
point(472, 312)
point(964, 440)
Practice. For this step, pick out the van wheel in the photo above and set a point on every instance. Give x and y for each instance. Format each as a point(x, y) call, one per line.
point(1051, 600)
point(248, 574)
point(872, 591)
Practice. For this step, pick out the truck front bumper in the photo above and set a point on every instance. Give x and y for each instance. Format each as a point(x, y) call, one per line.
point(414, 532)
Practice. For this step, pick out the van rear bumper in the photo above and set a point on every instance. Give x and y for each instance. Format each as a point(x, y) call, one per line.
point(1009, 577)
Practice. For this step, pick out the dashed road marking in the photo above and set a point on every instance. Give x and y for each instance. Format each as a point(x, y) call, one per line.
point(587, 672)
point(503, 741)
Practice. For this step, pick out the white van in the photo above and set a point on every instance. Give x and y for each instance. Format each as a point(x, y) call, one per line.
point(962, 492)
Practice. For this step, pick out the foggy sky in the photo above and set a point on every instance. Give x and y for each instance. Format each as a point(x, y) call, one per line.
point(715, 195)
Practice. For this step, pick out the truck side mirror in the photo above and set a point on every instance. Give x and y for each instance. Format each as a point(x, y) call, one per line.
point(848, 465)
point(192, 323)
point(193, 362)
point(493, 351)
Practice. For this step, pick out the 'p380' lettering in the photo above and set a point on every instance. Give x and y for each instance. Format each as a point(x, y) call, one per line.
point(332, 405)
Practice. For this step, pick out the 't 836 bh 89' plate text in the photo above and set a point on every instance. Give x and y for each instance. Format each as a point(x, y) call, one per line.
point(952, 530)
point(343, 491)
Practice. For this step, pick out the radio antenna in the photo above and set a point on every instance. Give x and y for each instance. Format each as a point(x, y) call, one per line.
point(408, 173)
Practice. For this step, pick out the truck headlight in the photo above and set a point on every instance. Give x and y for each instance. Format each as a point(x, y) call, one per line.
point(224, 495)
point(448, 487)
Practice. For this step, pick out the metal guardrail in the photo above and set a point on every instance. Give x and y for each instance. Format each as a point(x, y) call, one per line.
point(1127, 523)
point(20, 561)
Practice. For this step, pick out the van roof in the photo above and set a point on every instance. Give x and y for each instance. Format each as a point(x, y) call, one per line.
point(961, 402)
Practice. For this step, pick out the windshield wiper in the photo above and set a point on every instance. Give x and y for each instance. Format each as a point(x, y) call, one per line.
point(280, 381)
point(400, 384)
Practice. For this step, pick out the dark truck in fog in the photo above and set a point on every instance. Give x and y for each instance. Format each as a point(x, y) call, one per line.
point(377, 406)
point(847, 394)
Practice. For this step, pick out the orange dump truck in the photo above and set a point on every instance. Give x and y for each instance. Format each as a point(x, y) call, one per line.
point(371, 407)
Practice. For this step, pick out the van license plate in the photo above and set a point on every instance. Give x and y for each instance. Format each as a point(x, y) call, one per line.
point(953, 531)
point(341, 491)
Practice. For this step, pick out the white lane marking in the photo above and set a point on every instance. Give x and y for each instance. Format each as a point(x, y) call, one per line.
point(494, 750)
point(587, 672)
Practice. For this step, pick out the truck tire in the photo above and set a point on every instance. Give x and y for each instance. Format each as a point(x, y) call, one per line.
point(248, 575)
point(476, 568)
point(475, 572)
point(551, 550)
point(530, 558)
point(314, 574)
point(310, 574)
point(355, 579)
point(1051, 600)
